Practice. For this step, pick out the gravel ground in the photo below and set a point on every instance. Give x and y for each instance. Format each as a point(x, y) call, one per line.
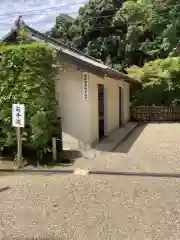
point(150, 148)
point(89, 207)
point(153, 148)
point(101, 207)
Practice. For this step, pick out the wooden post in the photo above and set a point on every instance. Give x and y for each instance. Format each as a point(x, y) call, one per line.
point(19, 148)
point(54, 149)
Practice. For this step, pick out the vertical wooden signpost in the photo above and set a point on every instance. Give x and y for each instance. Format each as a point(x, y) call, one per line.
point(18, 121)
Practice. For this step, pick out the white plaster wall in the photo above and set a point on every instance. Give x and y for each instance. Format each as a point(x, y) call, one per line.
point(75, 112)
point(112, 121)
point(79, 117)
point(93, 97)
point(111, 105)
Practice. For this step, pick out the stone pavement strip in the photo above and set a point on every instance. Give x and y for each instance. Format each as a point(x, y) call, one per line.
point(116, 137)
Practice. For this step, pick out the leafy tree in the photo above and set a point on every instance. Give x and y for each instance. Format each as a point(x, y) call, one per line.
point(61, 28)
point(27, 76)
point(124, 33)
point(161, 82)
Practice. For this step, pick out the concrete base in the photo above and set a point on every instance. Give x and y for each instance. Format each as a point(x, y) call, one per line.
point(106, 145)
point(116, 137)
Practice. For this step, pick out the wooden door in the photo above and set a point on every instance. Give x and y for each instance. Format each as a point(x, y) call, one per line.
point(101, 110)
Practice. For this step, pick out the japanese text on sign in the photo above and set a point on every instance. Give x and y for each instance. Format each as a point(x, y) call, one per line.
point(18, 115)
point(85, 86)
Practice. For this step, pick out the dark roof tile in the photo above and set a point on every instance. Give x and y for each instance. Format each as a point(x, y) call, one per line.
point(77, 57)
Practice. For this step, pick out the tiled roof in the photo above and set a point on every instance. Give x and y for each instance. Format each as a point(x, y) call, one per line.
point(76, 56)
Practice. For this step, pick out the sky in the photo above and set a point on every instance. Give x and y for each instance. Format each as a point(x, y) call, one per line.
point(39, 14)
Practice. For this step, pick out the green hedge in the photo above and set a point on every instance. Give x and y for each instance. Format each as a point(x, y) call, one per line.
point(161, 82)
point(27, 76)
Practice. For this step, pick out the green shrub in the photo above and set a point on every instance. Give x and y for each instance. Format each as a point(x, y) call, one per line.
point(161, 82)
point(27, 76)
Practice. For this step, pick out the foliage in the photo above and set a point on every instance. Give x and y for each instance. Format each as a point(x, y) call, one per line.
point(123, 33)
point(60, 30)
point(23, 37)
point(161, 82)
point(27, 76)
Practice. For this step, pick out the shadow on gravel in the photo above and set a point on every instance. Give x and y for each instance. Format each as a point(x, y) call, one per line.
point(4, 189)
point(128, 142)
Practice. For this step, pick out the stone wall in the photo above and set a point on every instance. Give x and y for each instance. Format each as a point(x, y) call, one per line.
point(155, 113)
